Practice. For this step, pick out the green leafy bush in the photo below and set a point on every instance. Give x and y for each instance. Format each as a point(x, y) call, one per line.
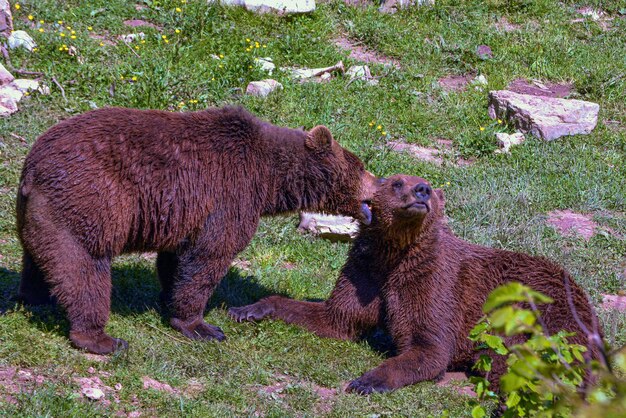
point(545, 374)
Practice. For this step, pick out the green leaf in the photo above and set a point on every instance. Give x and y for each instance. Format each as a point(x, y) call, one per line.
point(478, 412)
point(495, 343)
point(513, 399)
point(511, 293)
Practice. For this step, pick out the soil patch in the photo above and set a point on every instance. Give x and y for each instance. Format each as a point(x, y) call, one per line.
point(459, 382)
point(455, 82)
point(364, 54)
point(537, 88)
point(569, 223)
point(614, 302)
point(133, 23)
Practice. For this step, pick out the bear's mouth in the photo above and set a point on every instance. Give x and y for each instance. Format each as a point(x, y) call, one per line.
point(418, 207)
point(366, 211)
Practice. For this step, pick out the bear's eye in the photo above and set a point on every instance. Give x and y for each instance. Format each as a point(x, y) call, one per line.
point(397, 184)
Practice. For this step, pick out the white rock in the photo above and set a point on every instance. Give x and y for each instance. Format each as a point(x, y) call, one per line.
point(266, 64)
point(481, 80)
point(544, 117)
point(9, 97)
point(304, 73)
point(505, 141)
point(392, 6)
point(5, 76)
point(359, 71)
point(19, 38)
point(331, 227)
point(263, 88)
point(284, 6)
point(94, 394)
point(24, 84)
point(44, 90)
point(131, 37)
point(6, 18)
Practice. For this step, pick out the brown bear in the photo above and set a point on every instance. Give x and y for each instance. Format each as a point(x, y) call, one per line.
point(191, 186)
point(409, 274)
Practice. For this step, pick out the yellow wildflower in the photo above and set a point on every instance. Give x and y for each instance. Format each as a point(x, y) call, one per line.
point(17, 6)
point(500, 121)
point(62, 34)
point(60, 22)
point(383, 133)
point(221, 56)
point(447, 183)
point(482, 128)
point(89, 28)
point(177, 31)
point(379, 127)
point(371, 124)
point(164, 36)
point(101, 43)
point(42, 21)
point(247, 39)
point(73, 37)
point(30, 17)
point(167, 41)
point(178, 9)
point(134, 78)
point(41, 30)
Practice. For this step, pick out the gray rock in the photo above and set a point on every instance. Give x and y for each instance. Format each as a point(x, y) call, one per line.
point(9, 97)
point(506, 141)
point(283, 6)
point(263, 88)
point(6, 18)
point(19, 38)
point(544, 117)
point(25, 84)
point(5, 76)
point(331, 227)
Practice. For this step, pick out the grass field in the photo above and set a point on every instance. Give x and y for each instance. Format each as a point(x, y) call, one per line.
point(269, 368)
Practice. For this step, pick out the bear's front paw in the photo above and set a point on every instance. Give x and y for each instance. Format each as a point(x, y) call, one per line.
point(252, 312)
point(97, 343)
point(198, 330)
point(368, 383)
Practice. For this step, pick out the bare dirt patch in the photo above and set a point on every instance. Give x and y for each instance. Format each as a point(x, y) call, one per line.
point(537, 88)
point(102, 39)
point(14, 381)
point(364, 54)
point(278, 391)
point(150, 383)
point(133, 23)
point(504, 25)
point(459, 382)
point(569, 223)
point(455, 82)
point(444, 150)
point(614, 302)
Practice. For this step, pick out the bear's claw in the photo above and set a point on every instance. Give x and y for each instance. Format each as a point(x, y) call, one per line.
point(368, 383)
point(198, 330)
point(252, 312)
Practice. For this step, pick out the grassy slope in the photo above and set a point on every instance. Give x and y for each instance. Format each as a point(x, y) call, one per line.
point(501, 201)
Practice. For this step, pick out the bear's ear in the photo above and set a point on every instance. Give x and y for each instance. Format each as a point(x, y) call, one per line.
point(441, 197)
point(319, 139)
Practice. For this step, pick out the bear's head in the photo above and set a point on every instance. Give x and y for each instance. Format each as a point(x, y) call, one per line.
point(349, 187)
point(406, 206)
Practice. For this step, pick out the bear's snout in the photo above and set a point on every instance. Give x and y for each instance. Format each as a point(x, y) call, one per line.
point(422, 192)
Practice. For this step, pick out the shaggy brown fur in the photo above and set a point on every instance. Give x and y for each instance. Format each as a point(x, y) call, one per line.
point(408, 273)
point(191, 186)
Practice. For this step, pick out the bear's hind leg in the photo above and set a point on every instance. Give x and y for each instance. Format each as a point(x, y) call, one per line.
point(166, 264)
point(34, 290)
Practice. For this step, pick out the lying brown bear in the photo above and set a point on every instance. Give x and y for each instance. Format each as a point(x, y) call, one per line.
point(408, 273)
point(191, 186)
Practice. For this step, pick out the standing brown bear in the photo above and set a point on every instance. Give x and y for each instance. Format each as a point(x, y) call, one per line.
point(408, 273)
point(191, 186)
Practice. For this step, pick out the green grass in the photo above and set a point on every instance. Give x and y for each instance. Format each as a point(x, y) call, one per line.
point(500, 201)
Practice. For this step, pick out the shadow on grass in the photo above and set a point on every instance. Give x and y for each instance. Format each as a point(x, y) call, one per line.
point(136, 290)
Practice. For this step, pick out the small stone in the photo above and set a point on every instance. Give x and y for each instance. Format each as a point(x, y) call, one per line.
point(331, 227)
point(263, 88)
point(505, 141)
point(24, 84)
point(6, 18)
point(94, 394)
point(19, 38)
point(544, 117)
point(118, 386)
point(91, 370)
point(484, 52)
point(263, 6)
point(150, 383)
point(304, 73)
point(44, 90)
point(392, 6)
point(5, 76)
point(131, 37)
point(266, 64)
